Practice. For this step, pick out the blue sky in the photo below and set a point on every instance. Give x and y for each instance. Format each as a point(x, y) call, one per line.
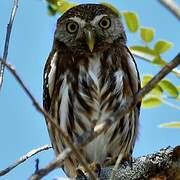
point(22, 127)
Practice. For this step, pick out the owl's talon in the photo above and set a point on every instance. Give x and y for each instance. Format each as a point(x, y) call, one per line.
point(109, 162)
point(131, 162)
point(95, 167)
point(128, 161)
point(80, 175)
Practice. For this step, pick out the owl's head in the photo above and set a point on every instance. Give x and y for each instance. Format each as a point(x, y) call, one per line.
point(89, 28)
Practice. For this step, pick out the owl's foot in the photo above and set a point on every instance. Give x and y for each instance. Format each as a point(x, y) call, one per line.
point(109, 162)
point(96, 168)
point(128, 160)
point(112, 161)
point(82, 174)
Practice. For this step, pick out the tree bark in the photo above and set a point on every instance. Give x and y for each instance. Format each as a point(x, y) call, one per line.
point(161, 165)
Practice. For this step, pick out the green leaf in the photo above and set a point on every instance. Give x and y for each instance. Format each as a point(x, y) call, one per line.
point(143, 50)
point(178, 98)
point(147, 34)
point(52, 1)
point(51, 10)
point(157, 90)
point(63, 6)
point(162, 46)
point(150, 102)
point(158, 60)
point(131, 20)
point(112, 8)
point(60, 6)
point(146, 79)
point(170, 125)
point(169, 87)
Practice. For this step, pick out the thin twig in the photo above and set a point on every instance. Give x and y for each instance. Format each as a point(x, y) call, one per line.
point(24, 158)
point(175, 70)
point(174, 106)
point(87, 137)
point(37, 165)
point(171, 6)
point(164, 101)
point(6, 45)
point(50, 119)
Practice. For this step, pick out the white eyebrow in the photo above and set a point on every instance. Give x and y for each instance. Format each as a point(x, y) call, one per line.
point(97, 18)
point(80, 21)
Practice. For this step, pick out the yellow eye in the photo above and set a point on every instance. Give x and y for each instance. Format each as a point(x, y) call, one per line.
point(105, 23)
point(72, 27)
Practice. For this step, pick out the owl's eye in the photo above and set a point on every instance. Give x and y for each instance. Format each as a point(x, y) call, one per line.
point(105, 23)
point(72, 27)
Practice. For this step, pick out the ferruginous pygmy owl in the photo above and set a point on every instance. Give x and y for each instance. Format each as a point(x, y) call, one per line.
point(89, 74)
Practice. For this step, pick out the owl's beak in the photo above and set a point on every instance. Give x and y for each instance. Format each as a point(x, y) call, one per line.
point(90, 39)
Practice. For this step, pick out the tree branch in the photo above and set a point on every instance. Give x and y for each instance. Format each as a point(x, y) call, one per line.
point(24, 158)
point(50, 119)
point(165, 164)
point(172, 7)
point(88, 136)
point(6, 45)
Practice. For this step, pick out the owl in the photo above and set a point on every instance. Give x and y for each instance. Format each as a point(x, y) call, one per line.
point(89, 74)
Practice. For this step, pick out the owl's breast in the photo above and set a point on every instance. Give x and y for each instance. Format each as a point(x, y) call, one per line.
point(100, 89)
point(100, 92)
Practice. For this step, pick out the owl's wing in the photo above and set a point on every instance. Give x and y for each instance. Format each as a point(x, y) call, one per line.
point(132, 74)
point(49, 79)
point(50, 94)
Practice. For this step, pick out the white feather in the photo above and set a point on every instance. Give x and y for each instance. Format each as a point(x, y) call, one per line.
point(80, 21)
point(97, 19)
point(52, 72)
point(133, 71)
point(63, 110)
point(119, 80)
point(94, 68)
